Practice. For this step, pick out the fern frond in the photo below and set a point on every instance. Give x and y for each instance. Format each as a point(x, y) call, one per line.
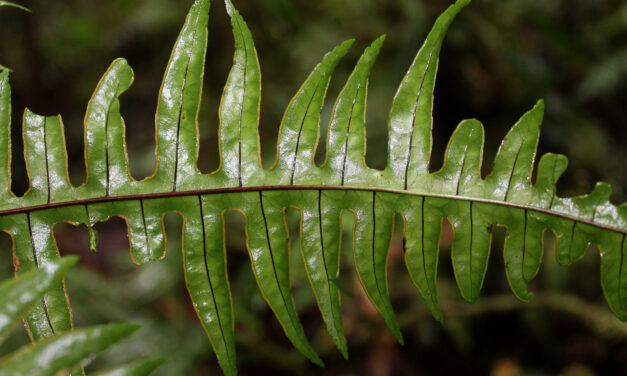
point(343, 185)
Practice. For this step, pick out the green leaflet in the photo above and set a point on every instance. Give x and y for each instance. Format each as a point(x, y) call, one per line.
point(20, 294)
point(343, 185)
point(58, 353)
point(62, 351)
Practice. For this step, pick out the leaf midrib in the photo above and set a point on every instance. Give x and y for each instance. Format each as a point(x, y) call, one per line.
point(210, 191)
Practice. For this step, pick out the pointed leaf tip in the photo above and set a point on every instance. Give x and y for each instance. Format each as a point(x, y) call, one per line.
point(532, 118)
point(342, 48)
point(347, 44)
point(399, 338)
point(436, 312)
point(344, 352)
point(537, 109)
point(317, 361)
point(371, 52)
point(379, 41)
point(230, 9)
point(462, 3)
point(10, 4)
point(538, 112)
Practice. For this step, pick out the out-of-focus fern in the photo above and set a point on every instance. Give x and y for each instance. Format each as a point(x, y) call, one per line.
point(508, 197)
point(56, 354)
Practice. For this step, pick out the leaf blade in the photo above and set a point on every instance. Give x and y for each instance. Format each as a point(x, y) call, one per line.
point(19, 294)
point(64, 351)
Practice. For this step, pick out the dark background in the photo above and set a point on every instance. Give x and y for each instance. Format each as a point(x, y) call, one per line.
point(499, 57)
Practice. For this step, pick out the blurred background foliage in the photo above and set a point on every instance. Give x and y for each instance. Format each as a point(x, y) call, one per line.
point(500, 56)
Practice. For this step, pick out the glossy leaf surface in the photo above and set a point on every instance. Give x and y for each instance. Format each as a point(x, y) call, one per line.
point(20, 294)
point(343, 186)
point(54, 354)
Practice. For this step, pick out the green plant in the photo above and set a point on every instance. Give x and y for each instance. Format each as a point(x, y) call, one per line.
point(344, 184)
point(60, 351)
